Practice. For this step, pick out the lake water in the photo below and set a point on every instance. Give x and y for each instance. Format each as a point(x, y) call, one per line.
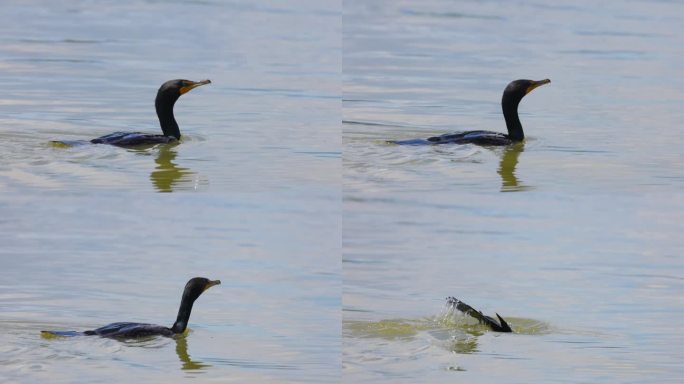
point(575, 236)
point(87, 240)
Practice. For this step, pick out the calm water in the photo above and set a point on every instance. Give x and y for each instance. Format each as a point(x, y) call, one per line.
point(88, 241)
point(575, 235)
point(86, 69)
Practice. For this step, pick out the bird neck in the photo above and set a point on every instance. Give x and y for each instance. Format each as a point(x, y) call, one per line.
point(183, 315)
point(166, 119)
point(510, 112)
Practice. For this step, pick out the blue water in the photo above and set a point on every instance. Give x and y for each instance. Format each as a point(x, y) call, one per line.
point(573, 236)
point(254, 190)
point(577, 229)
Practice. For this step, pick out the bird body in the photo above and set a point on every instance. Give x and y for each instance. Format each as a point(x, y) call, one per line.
point(510, 100)
point(130, 139)
point(130, 330)
point(167, 95)
point(472, 137)
point(193, 289)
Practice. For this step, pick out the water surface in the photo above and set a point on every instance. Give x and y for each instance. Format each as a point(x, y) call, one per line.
point(79, 71)
point(77, 263)
point(255, 184)
point(577, 228)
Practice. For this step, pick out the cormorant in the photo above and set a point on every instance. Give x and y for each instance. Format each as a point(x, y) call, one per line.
point(498, 326)
point(193, 290)
point(512, 95)
point(167, 95)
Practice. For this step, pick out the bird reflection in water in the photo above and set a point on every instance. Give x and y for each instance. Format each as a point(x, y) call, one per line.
point(168, 176)
point(509, 161)
point(182, 351)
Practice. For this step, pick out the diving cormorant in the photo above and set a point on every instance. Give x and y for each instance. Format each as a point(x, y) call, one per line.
point(193, 290)
point(167, 95)
point(512, 95)
point(498, 326)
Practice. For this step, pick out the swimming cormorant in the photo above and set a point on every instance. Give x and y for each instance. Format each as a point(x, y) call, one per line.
point(512, 95)
point(498, 326)
point(193, 290)
point(167, 95)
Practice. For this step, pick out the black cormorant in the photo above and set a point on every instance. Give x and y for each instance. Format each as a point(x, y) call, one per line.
point(193, 290)
point(498, 326)
point(512, 95)
point(167, 95)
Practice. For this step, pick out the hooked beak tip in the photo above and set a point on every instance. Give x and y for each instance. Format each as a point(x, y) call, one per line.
point(536, 84)
point(211, 283)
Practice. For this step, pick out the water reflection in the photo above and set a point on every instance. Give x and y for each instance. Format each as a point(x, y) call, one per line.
point(182, 351)
point(509, 160)
point(168, 176)
point(453, 333)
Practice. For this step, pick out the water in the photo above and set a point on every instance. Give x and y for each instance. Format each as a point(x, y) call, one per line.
point(573, 236)
point(75, 264)
point(577, 230)
point(82, 70)
point(86, 238)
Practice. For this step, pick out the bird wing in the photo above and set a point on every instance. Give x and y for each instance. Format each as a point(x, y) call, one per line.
point(130, 139)
point(471, 137)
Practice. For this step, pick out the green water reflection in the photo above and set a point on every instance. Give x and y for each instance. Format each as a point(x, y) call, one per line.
point(168, 176)
point(507, 168)
point(456, 333)
point(458, 339)
point(182, 351)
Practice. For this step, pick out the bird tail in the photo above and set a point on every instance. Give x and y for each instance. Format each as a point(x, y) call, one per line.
point(49, 334)
point(504, 325)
